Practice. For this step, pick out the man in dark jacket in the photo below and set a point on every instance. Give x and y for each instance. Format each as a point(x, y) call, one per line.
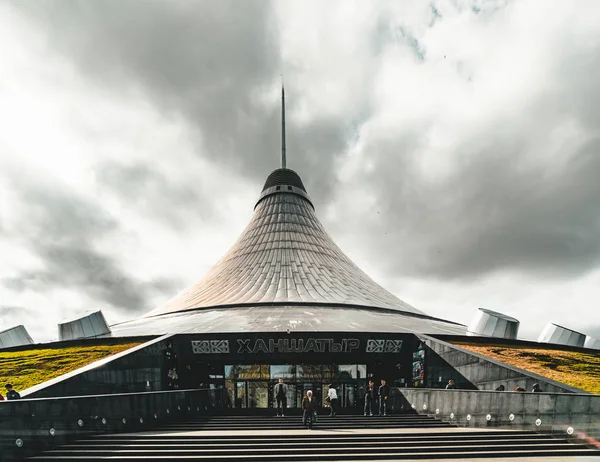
point(11, 393)
point(309, 406)
point(281, 397)
point(384, 393)
point(370, 398)
point(536, 388)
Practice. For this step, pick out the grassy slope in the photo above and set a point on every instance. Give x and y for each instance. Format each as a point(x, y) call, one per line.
point(581, 370)
point(27, 368)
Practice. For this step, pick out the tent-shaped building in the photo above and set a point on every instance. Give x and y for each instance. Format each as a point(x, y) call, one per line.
point(285, 301)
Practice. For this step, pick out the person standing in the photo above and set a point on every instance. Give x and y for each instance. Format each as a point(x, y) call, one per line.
point(333, 400)
point(384, 393)
point(309, 408)
point(536, 388)
point(281, 397)
point(11, 393)
point(370, 397)
point(451, 385)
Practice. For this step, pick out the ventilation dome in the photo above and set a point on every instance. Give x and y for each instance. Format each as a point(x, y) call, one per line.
point(89, 325)
point(553, 333)
point(591, 342)
point(490, 323)
point(15, 336)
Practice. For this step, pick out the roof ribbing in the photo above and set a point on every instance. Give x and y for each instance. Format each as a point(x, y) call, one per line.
point(285, 256)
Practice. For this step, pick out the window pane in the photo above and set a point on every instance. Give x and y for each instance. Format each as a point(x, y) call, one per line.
point(264, 371)
point(308, 372)
point(345, 372)
point(286, 372)
point(328, 372)
point(248, 371)
point(362, 371)
point(229, 372)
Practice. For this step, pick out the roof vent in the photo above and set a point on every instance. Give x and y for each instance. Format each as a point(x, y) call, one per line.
point(488, 323)
point(553, 333)
point(15, 336)
point(89, 325)
point(591, 342)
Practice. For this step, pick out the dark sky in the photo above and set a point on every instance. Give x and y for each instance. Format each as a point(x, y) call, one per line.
point(451, 148)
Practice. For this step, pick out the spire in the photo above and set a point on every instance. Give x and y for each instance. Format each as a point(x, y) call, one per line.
point(283, 163)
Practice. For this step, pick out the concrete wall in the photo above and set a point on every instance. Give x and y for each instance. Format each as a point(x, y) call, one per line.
point(555, 411)
point(471, 370)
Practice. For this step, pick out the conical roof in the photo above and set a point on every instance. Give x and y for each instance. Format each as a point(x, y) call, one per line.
point(284, 257)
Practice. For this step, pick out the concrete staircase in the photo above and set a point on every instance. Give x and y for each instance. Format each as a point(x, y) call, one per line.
point(295, 423)
point(345, 438)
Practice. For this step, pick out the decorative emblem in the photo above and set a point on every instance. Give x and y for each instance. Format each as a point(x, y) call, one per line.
point(201, 347)
point(384, 346)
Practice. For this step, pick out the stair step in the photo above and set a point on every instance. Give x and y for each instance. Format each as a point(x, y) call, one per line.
point(370, 455)
point(290, 444)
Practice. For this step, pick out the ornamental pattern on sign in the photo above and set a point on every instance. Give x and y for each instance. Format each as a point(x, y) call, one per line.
point(210, 346)
point(285, 255)
point(384, 346)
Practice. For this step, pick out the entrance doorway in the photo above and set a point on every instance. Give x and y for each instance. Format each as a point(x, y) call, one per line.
point(252, 385)
point(251, 394)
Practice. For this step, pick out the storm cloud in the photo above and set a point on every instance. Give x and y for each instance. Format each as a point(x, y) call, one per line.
point(451, 147)
point(65, 232)
point(212, 63)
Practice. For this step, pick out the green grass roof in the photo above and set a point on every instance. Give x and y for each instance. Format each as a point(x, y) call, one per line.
point(26, 368)
point(577, 369)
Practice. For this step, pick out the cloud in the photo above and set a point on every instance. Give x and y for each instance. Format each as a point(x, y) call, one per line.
point(65, 232)
point(449, 147)
point(150, 192)
point(466, 174)
point(215, 64)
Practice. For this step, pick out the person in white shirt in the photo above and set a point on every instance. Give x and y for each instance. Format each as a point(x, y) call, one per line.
point(332, 396)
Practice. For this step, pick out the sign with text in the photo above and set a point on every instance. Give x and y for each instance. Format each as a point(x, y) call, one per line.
point(295, 345)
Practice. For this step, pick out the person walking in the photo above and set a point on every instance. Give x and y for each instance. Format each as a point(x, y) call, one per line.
point(281, 397)
point(370, 398)
point(536, 388)
point(384, 393)
point(333, 400)
point(451, 385)
point(11, 393)
point(309, 408)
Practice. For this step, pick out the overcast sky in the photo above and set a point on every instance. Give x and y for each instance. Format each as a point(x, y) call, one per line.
point(452, 149)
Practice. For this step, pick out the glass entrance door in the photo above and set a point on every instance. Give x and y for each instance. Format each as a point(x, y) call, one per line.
point(347, 395)
point(251, 394)
point(252, 385)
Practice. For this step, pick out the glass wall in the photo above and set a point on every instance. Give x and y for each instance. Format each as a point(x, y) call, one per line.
point(251, 385)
